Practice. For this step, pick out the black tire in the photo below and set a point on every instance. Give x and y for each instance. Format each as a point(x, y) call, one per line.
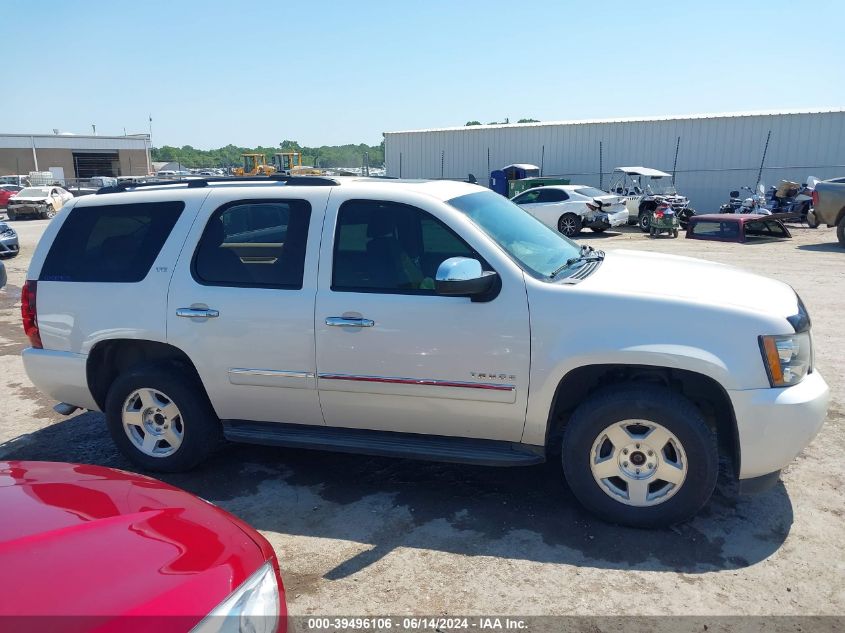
point(49, 214)
point(644, 220)
point(11, 215)
point(674, 232)
point(598, 229)
point(840, 232)
point(652, 232)
point(653, 403)
point(201, 427)
point(569, 224)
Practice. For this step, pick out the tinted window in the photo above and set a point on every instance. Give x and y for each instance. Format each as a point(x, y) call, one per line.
point(713, 228)
point(765, 228)
point(552, 195)
point(114, 243)
point(528, 197)
point(391, 247)
point(254, 244)
point(591, 192)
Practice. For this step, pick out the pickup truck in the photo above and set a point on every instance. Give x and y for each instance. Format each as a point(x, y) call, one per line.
point(426, 319)
point(829, 206)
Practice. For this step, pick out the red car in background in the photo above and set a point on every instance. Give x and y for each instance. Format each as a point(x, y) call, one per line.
point(6, 192)
point(86, 548)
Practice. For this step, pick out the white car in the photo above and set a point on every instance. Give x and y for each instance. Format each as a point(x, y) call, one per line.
point(42, 202)
point(569, 208)
point(427, 319)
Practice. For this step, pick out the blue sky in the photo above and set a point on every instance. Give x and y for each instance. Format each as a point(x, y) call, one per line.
point(249, 73)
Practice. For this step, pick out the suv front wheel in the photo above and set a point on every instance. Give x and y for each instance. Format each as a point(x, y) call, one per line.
point(161, 419)
point(640, 455)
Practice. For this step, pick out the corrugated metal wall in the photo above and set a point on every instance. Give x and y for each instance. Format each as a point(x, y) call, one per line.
point(716, 154)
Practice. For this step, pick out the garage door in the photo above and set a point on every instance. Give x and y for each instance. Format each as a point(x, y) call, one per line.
point(89, 164)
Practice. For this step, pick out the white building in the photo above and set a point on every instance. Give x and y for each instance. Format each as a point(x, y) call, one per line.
point(70, 156)
point(715, 154)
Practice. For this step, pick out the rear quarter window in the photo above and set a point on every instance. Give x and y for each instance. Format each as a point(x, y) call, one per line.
point(113, 243)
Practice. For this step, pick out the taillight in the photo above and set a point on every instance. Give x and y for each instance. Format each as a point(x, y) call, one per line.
point(592, 207)
point(29, 313)
point(815, 197)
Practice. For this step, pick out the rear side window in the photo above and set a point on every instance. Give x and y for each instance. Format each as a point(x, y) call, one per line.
point(114, 243)
point(254, 244)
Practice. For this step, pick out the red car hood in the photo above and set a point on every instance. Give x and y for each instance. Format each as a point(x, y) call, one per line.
point(80, 540)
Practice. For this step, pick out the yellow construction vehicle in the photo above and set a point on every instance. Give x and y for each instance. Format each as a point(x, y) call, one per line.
point(254, 165)
point(290, 163)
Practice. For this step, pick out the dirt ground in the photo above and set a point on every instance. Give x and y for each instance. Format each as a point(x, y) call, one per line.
point(368, 536)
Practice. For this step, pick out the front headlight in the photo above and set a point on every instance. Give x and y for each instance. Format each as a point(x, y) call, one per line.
point(788, 357)
point(253, 607)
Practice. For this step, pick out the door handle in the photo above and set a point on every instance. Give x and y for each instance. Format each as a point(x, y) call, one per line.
point(345, 322)
point(197, 313)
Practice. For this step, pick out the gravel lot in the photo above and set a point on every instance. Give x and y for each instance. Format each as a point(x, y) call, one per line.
point(368, 536)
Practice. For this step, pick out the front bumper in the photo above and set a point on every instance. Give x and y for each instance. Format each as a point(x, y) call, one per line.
point(60, 375)
point(9, 246)
point(27, 209)
point(774, 425)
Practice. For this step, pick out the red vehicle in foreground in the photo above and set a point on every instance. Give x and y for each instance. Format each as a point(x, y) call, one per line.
point(86, 548)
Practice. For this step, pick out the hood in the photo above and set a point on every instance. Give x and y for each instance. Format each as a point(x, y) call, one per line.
point(86, 540)
point(20, 198)
point(694, 280)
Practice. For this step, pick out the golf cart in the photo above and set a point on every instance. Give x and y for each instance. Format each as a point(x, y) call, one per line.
point(644, 190)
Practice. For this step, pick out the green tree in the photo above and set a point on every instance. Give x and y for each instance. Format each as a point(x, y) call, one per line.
point(472, 123)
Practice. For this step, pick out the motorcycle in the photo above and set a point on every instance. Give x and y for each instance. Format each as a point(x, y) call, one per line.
point(791, 198)
point(755, 203)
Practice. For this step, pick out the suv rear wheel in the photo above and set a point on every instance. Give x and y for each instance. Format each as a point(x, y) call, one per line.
point(640, 455)
point(840, 232)
point(160, 419)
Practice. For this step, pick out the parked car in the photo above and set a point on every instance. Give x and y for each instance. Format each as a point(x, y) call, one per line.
point(736, 228)
point(427, 319)
point(42, 202)
point(6, 192)
point(644, 189)
point(829, 206)
point(87, 541)
point(9, 246)
point(568, 208)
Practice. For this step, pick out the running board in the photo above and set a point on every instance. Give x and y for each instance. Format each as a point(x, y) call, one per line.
point(438, 448)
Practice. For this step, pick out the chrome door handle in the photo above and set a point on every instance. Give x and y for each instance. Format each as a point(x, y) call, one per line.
point(197, 313)
point(344, 322)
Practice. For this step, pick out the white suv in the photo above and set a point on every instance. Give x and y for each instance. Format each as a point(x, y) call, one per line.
point(434, 320)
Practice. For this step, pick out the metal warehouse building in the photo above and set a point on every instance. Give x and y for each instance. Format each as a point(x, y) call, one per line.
point(711, 153)
point(71, 156)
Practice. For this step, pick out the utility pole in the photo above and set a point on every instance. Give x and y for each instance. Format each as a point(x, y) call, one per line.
point(94, 128)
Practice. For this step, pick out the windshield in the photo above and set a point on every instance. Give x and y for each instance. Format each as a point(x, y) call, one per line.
point(35, 192)
point(661, 186)
point(591, 192)
point(536, 248)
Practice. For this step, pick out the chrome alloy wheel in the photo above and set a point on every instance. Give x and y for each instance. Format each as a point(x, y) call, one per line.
point(567, 225)
point(638, 463)
point(152, 422)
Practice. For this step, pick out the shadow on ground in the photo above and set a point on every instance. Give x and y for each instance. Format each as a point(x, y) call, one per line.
point(827, 247)
point(517, 513)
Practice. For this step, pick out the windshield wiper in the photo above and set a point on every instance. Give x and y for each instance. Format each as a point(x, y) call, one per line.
point(586, 254)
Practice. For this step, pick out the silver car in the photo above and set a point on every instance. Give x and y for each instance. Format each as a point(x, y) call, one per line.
point(9, 246)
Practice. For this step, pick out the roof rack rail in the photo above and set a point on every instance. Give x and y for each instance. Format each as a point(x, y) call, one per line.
point(194, 183)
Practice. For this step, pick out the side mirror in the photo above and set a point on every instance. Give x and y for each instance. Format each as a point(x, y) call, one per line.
point(462, 276)
point(734, 194)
